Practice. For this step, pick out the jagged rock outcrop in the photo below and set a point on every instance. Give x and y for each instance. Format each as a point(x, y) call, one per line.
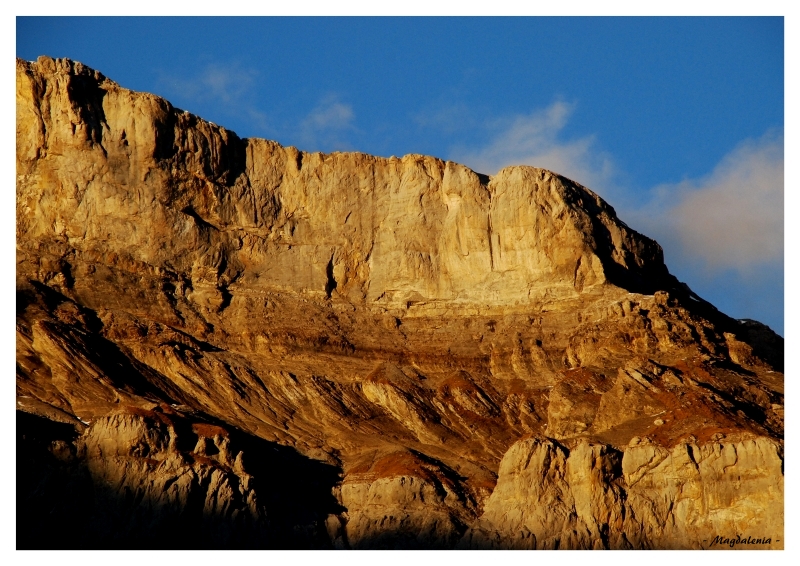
point(166, 480)
point(405, 500)
point(392, 329)
point(646, 496)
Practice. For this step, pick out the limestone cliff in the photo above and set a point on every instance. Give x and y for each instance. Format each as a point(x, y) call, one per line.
point(452, 360)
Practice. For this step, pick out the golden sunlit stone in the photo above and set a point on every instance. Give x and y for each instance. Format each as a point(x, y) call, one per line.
point(260, 347)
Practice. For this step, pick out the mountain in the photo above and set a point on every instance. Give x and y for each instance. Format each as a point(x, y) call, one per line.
point(228, 343)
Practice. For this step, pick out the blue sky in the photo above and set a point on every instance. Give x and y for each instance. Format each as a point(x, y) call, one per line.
point(677, 122)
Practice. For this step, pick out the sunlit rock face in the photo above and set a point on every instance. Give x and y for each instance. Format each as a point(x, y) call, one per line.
point(227, 343)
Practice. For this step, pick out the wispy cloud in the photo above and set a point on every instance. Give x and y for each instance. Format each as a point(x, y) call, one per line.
point(730, 219)
point(327, 126)
point(221, 83)
point(228, 87)
point(534, 139)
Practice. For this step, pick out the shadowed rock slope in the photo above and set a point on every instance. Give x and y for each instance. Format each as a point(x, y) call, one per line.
point(227, 343)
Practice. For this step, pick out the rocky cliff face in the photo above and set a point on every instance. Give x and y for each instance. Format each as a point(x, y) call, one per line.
point(446, 359)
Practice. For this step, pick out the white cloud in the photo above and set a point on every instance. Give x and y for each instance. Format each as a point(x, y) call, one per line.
point(229, 88)
point(730, 219)
point(330, 115)
point(533, 139)
point(221, 83)
point(327, 125)
point(227, 84)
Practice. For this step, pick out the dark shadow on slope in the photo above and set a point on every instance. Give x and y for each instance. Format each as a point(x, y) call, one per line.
point(60, 506)
point(399, 538)
point(647, 275)
point(123, 370)
point(650, 274)
point(83, 334)
point(84, 92)
point(330, 284)
point(766, 343)
point(51, 502)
